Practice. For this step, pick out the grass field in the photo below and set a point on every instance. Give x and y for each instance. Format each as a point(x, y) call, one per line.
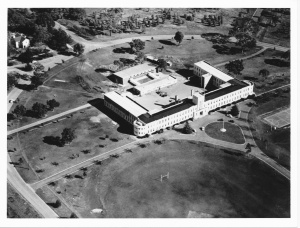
point(233, 132)
point(203, 178)
point(17, 207)
point(278, 146)
point(67, 99)
point(50, 198)
point(253, 65)
point(41, 150)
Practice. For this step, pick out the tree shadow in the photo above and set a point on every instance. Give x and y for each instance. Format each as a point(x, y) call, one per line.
point(25, 87)
point(250, 78)
point(54, 205)
point(122, 50)
point(103, 70)
point(10, 117)
point(277, 62)
point(53, 140)
point(166, 42)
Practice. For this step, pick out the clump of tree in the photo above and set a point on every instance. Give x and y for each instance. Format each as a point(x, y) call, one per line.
point(67, 136)
point(264, 72)
point(234, 111)
point(52, 104)
point(178, 37)
point(39, 110)
point(187, 129)
point(12, 81)
point(245, 41)
point(162, 63)
point(235, 66)
point(78, 48)
point(45, 20)
point(36, 81)
point(140, 56)
point(59, 39)
point(19, 111)
point(137, 45)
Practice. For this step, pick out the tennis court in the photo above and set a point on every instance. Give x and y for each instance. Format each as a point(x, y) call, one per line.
point(279, 119)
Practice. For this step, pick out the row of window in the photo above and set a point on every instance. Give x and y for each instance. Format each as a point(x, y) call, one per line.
point(129, 118)
point(166, 122)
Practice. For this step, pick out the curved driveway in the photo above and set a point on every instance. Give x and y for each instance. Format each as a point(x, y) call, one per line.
point(13, 176)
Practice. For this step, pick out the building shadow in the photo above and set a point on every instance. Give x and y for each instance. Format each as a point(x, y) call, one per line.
point(124, 126)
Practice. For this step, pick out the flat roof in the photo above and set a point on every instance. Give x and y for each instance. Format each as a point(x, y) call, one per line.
point(154, 83)
point(126, 103)
point(235, 85)
point(214, 71)
point(185, 104)
point(134, 70)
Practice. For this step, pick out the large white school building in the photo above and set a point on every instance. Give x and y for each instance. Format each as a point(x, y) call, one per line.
point(144, 121)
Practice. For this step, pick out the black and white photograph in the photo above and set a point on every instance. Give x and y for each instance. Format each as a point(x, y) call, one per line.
point(178, 112)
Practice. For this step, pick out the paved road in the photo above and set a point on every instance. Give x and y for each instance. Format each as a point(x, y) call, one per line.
point(255, 151)
point(17, 181)
point(243, 58)
point(90, 45)
point(48, 119)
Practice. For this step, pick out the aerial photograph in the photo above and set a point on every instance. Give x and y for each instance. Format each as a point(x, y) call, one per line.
point(148, 113)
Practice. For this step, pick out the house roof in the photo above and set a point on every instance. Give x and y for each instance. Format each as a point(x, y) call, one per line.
point(214, 71)
point(185, 104)
point(125, 103)
point(235, 85)
point(134, 70)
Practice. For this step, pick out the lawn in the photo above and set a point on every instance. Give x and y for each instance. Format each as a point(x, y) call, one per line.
point(18, 207)
point(202, 178)
point(67, 99)
point(95, 134)
point(50, 198)
point(278, 147)
point(233, 134)
point(253, 65)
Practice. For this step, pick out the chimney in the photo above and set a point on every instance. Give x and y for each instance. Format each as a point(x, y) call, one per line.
point(192, 92)
point(176, 98)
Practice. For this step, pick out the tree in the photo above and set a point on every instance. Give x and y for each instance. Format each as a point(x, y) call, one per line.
point(57, 203)
point(178, 37)
point(36, 81)
point(59, 39)
point(264, 72)
point(52, 104)
point(234, 111)
point(162, 64)
point(76, 13)
point(19, 111)
point(78, 48)
point(38, 67)
point(67, 136)
point(235, 66)
point(41, 34)
point(137, 45)
point(45, 20)
point(12, 80)
point(39, 109)
point(245, 41)
point(140, 56)
point(26, 57)
point(187, 128)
